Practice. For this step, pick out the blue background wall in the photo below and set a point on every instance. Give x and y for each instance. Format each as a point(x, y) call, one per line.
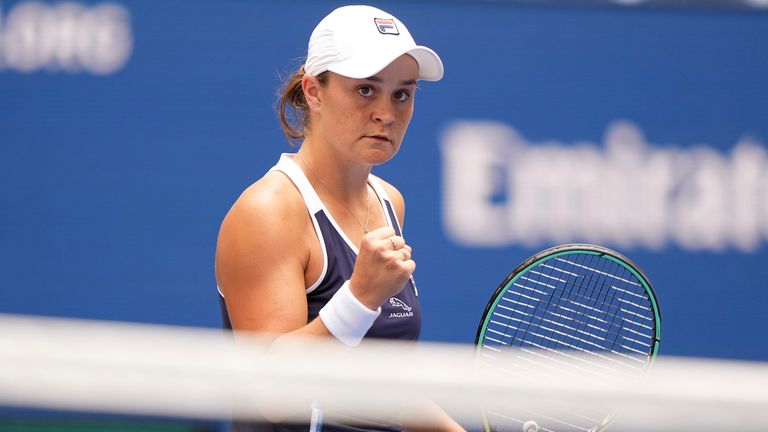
point(112, 186)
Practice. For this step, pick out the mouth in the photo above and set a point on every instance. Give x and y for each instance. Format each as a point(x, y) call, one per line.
point(380, 138)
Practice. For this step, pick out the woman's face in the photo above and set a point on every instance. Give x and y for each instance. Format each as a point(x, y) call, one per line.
point(366, 119)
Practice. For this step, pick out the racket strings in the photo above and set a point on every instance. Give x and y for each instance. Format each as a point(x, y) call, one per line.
point(560, 326)
point(603, 303)
point(641, 316)
point(569, 306)
point(559, 310)
point(577, 314)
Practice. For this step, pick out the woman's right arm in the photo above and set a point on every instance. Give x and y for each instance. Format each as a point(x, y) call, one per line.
point(261, 256)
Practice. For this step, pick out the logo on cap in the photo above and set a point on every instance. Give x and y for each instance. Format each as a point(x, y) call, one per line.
point(386, 26)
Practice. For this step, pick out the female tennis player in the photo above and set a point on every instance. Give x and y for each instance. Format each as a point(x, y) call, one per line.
point(315, 248)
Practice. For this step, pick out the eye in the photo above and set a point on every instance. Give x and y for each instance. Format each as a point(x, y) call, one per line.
point(402, 95)
point(365, 91)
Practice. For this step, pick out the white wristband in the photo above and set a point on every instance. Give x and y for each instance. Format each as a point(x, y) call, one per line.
point(346, 318)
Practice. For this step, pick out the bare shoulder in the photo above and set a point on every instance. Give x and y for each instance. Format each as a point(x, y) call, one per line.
point(398, 202)
point(271, 207)
point(262, 232)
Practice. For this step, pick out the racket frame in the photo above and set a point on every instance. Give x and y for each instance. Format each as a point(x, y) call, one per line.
point(569, 249)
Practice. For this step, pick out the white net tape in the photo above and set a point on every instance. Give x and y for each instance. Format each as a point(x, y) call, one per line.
point(202, 373)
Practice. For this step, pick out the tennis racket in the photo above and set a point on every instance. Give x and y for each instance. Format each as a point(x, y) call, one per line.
point(571, 309)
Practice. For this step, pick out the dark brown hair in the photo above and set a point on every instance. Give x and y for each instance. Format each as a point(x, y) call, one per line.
point(293, 107)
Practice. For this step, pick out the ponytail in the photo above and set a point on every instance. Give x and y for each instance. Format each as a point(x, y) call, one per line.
point(293, 107)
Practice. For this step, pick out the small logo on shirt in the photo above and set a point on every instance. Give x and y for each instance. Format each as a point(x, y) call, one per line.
point(396, 302)
point(386, 26)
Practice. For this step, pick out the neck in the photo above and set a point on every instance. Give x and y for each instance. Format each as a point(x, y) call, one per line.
point(347, 202)
point(345, 179)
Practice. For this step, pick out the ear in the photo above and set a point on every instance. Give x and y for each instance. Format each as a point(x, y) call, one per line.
point(312, 91)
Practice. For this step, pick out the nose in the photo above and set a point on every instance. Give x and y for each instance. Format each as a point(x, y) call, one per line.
point(384, 112)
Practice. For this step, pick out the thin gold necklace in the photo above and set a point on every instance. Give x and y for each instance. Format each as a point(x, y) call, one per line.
point(367, 196)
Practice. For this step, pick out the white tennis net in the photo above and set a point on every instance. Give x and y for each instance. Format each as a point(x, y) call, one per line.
point(202, 373)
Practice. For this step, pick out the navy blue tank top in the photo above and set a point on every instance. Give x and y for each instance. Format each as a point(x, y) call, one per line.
point(400, 316)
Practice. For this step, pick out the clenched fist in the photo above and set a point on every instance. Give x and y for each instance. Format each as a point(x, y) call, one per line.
point(382, 268)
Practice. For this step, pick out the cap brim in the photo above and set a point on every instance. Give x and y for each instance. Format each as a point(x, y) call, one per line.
point(430, 65)
point(369, 64)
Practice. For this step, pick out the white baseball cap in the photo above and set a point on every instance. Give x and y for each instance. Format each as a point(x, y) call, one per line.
point(359, 41)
